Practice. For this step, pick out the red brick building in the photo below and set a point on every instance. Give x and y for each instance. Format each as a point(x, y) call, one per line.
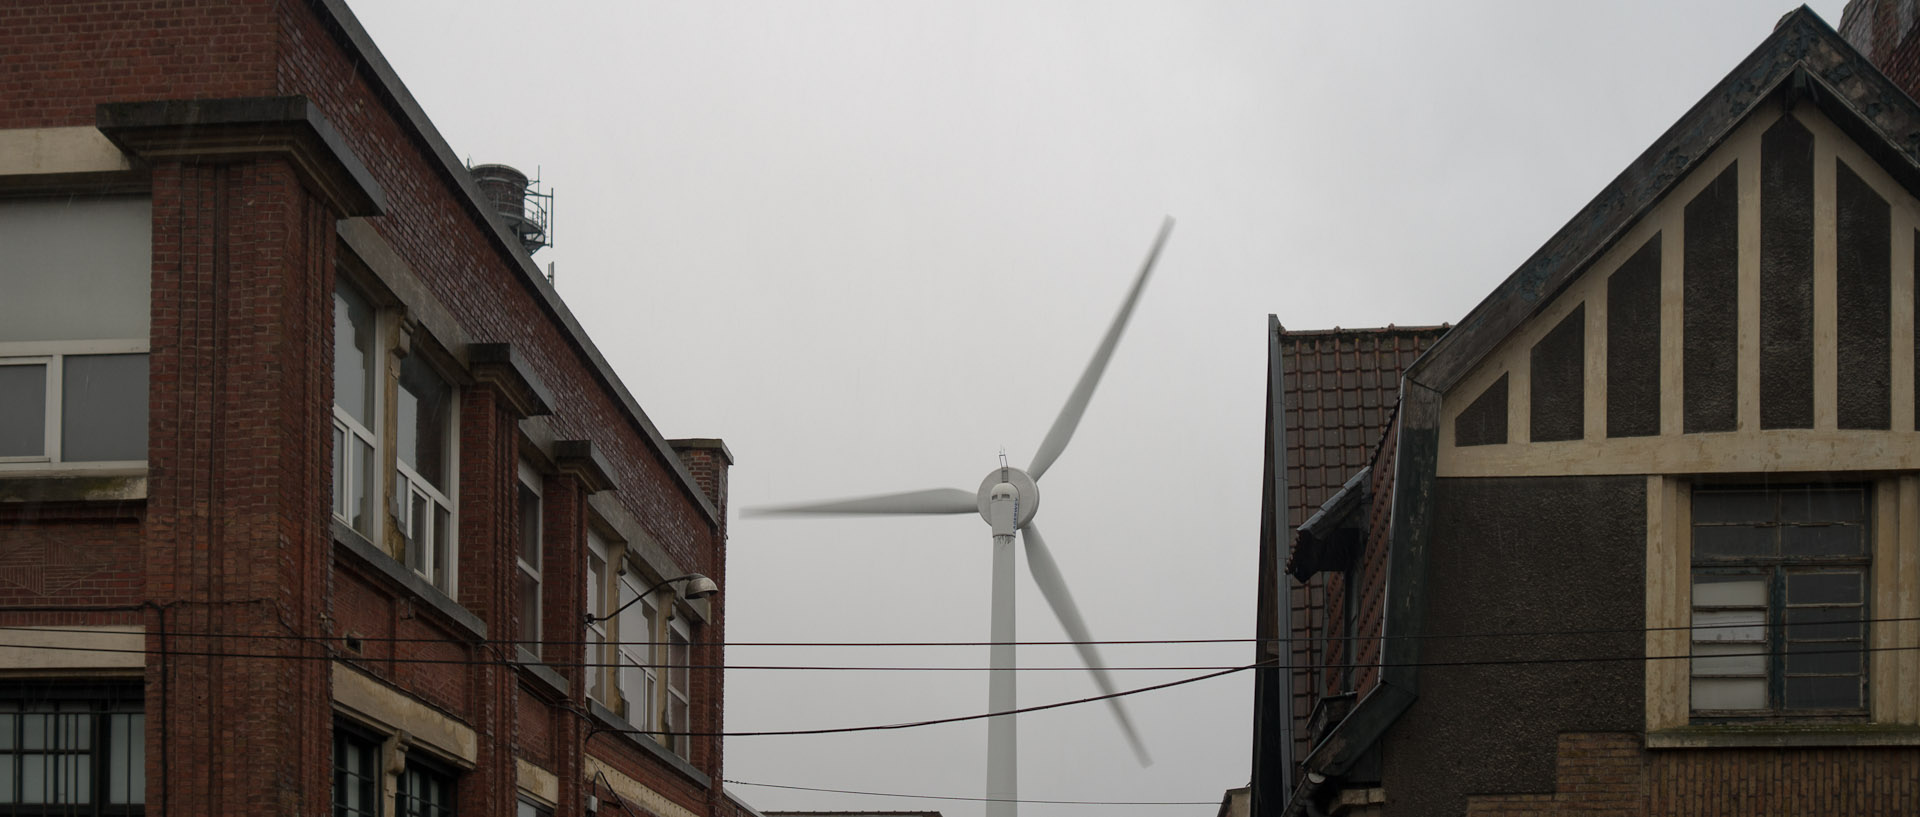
point(1641, 532)
point(314, 496)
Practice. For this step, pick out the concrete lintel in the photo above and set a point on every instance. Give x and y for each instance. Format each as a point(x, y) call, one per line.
point(209, 130)
point(74, 647)
point(502, 366)
point(580, 460)
point(51, 159)
point(383, 707)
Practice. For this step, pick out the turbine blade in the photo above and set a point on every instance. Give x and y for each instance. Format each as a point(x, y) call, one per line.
point(932, 501)
point(1069, 419)
point(1046, 574)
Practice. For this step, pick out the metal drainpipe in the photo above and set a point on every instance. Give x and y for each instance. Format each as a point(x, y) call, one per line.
point(1303, 797)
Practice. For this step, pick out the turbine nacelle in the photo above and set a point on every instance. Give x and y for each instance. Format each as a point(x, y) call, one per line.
point(1008, 484)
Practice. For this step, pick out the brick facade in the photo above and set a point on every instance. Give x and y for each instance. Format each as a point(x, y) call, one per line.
point(1530, 551)
point(266, 620)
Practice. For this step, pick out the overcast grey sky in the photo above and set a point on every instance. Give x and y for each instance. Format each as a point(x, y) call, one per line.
point(871, 244)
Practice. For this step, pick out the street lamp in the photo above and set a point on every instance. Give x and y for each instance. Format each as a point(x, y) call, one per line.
point(698, 587)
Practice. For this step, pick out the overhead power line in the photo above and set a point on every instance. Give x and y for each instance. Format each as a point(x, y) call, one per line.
point(1272, 662)
point(984, 799)
point(1141, 641)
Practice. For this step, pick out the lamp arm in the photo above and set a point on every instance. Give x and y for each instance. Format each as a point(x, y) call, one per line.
point(591, 618)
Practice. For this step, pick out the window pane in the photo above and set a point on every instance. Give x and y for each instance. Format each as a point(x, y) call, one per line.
point(633, 690)
point(339, 471)
point(426, 403)
point(23, 410)
point(1732, 541)
point(678, 657)
point(596, 575)
point(1809, 623)
point(33, 779)
point(1730, 625)
point(1729, 590)
point(1823, 505)
point(442, 555)
point(353, 354)
point(1730, 659)
point(596, 654)
point(530, 611)
point(1824, 693)
point(127, 761)
point(1729, 693)
point(33, 731)
point(1714, 507)
point(77, 779)
point(417, 518)
point(1824, 658)
point(102, 409)
point(529, 526)
point(1836, 587)
point(362, 517)
point(76, 268)
point(1823, 540)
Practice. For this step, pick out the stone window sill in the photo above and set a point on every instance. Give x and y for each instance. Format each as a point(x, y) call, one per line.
point(350, 541)
point(605, 720)
point(46, 486)
point(533, 667)
point(1783, 735)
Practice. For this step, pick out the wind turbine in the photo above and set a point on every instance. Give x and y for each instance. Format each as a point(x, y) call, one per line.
point(1007, 500)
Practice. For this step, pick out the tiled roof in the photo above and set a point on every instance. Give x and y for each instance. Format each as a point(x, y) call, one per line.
point(1341, 386)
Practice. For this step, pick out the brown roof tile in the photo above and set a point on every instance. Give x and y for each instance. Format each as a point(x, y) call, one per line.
point(1341, 387)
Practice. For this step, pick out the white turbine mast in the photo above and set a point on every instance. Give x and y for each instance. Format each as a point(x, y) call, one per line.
point(1007, 499)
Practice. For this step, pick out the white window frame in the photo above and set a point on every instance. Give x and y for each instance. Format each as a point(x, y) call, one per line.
point(532, 481)
point(53, 355)
point(681, 744)
point(347, 429)
point(597, 606)
point(409, 486)
point(421, 551)
point(636, 653)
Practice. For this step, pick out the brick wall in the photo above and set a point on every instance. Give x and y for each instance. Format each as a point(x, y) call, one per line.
point(234, 540)
point(63, 58)
point(1606, 773)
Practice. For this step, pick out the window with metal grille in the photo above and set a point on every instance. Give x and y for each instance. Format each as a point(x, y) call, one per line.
point(356, 789)
point(426, 790)
point(72, 750)
point(1780, 584)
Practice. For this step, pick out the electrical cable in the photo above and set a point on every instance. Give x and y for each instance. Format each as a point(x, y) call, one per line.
point(1143, 641)
point(507, 662)
point(985, 799)
point(1036, 708)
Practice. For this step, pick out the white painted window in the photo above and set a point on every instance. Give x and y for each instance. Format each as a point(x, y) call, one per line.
point(597, 659)
point(424, 465)
point(74, 327)
point(679, 695)
point(634, 629)
point(529, 557)
point(356, 359)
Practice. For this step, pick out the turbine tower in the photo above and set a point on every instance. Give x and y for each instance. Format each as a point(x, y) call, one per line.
point(1007, 500)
